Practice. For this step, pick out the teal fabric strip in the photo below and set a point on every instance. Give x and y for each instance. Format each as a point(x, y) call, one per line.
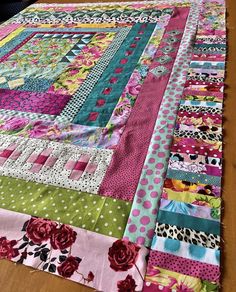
point(116, 89)
point(208, 65)
point(222, 51)
point(187, 221)
point(194, 177)
point(210, 46)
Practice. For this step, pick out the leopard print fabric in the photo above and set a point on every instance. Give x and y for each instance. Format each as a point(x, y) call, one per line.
point(188, 235)
point(205, 77)
point(198, 135)
point(200, 109)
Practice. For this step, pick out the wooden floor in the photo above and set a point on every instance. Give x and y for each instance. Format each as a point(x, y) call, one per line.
point(18, 278)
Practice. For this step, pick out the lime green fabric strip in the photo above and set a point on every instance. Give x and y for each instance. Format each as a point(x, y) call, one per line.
point(96, 213)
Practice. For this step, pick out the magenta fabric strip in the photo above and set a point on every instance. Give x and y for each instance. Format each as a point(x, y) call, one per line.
point(195, 146)
point(208, 84)
point(123, 174)
point(181, 265)
point(36, 102)
point(212, 170)
point(214, 117)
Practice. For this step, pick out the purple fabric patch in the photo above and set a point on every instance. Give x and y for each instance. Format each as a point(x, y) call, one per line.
point(80, 165)
point(36, 102)
point(41, 159)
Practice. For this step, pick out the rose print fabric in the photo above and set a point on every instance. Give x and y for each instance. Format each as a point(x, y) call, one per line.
point(70, 252)
point(111, 143)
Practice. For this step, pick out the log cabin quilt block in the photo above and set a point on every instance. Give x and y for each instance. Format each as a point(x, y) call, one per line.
point(111, 143)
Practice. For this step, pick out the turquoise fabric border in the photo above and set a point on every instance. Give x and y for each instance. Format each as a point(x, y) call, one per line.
point(194, 177)
point(181, 220)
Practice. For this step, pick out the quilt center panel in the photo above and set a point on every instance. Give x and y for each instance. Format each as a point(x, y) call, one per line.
point(44, 69)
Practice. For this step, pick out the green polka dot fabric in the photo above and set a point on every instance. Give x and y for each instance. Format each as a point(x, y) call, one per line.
point(96, 213)
point(111, 142)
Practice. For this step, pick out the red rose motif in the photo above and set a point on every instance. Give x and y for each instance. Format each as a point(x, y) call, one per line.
point(123, 255)
point(127, 285)
point(90, 277)
point(39, 230)
point(68, 267)
point(6, 248)
point(63, 237)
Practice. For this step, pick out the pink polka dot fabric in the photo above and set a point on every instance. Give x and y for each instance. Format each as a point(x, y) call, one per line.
point(185, 266)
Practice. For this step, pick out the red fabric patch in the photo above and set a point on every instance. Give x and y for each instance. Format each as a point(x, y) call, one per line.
point(6, 153)
point(41, 159)
point(113, 80)
point(100, 102)
point(80, 166)
point(123, 61)
point(93, 116)
point(107, 90)
point(128, 53)
point(118, 70)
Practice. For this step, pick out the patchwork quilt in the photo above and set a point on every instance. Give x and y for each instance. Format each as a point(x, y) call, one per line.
point(111, 143)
